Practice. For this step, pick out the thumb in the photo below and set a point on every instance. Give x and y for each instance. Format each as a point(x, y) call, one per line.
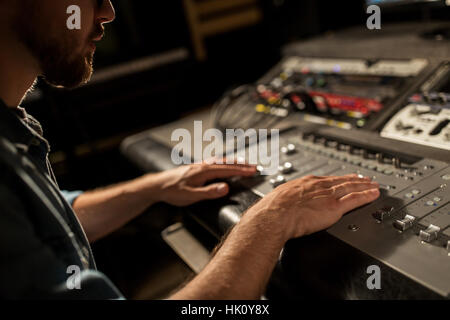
point(212, 191)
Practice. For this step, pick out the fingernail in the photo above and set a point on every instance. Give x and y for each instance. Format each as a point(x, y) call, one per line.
point(221, 187)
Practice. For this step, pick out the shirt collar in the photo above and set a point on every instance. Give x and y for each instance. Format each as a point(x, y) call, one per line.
point(15, 126)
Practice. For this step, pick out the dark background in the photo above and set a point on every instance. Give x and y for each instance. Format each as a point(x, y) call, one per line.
point(85, 126)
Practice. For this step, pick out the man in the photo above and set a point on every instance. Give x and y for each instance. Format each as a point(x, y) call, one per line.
point(41, 237)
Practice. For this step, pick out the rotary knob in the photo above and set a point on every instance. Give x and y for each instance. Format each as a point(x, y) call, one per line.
point(289, 149)
point(285, 168)
point(279, 180)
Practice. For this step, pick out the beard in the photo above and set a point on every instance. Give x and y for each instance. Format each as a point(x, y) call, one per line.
point(56, 53)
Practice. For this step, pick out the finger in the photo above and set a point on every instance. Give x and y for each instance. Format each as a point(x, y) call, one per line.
point(346, 188)
point(343, 189)
point(226, 171)
point(212, 191)
point(224, 161)
point(334, 181)
point(358, 199)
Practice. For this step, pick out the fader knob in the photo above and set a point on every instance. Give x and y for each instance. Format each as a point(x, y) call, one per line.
point(381, 214)
point(430, 234)
point(405, 223)
point(397, 163)
point(379, 157)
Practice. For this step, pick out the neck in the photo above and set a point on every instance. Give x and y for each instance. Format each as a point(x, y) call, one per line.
point(18, 70)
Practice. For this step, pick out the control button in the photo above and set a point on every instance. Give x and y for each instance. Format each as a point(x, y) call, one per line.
point(289, 149)
point(428, 167)
point(399, 175)
point(371, 167)
point(409, 195)
point(430, 203)
point(446, 177)
point(383, 213)
point(415, 192)
point(279, 180)
point(285, 168)
point(388, 172)
point(436, 199)
point(405, 223)
point(430, 234)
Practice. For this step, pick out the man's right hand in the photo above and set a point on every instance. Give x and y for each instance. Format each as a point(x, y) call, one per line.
point(311, 204)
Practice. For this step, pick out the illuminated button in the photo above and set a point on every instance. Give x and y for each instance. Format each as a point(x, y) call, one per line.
point(446, 177)
point(409, 195)
point(415, 192)
point(430, 234)
point(428, 167)
point(279, 180)
point(436, 199)
point(430, 203)
point(405, 223)
point(388, 172)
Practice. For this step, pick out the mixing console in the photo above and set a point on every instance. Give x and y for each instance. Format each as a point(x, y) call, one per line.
point(346, 93)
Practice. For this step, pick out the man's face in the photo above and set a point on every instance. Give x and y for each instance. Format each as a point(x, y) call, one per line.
point(65, 56)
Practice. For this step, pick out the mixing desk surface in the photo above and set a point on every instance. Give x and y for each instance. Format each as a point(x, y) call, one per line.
point(325, 108)
point(407, 228)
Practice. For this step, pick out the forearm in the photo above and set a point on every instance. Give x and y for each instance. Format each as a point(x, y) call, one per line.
point(243, 265)
point(105, 210)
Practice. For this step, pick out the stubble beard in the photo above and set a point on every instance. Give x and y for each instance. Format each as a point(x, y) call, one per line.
point(59, 63)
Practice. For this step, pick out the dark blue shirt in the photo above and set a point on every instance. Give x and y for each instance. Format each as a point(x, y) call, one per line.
point(44, 252)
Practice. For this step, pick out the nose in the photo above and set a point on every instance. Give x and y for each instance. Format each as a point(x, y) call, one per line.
point(106, 14)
